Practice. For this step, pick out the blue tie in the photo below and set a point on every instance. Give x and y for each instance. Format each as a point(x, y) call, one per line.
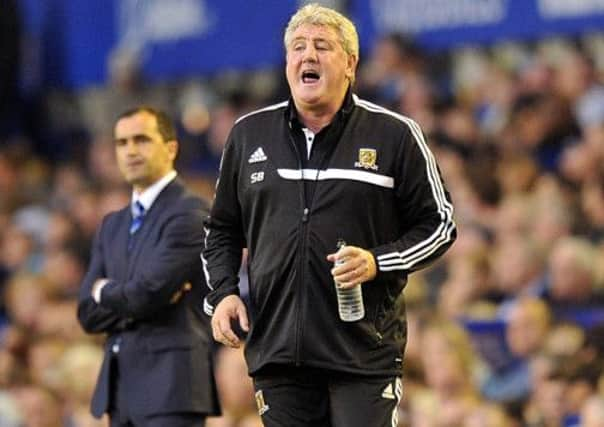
point(138, 213)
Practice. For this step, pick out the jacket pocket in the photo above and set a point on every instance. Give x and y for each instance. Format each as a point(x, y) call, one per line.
point(374, 336)
point(370, 329)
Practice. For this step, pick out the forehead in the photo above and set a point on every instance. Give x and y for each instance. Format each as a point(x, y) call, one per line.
point(139, 123)
point(314, 31)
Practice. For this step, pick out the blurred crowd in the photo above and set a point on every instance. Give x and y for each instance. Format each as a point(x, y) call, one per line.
point(509, 328)
point(506, 330)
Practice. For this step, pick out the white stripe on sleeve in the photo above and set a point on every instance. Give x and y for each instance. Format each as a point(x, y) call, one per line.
point(422, 250)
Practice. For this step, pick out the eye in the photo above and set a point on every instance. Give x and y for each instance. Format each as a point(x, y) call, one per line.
point(142, 139)
point(322, 45)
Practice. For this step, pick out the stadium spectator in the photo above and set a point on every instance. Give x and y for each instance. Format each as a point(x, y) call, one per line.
point(527, 327)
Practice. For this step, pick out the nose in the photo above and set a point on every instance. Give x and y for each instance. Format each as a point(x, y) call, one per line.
point(131, 147)
point(309, 54)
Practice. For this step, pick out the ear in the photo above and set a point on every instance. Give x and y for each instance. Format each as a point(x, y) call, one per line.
point(351, 66)
point(172, 148)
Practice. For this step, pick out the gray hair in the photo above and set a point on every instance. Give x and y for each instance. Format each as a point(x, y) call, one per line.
point(316, 14)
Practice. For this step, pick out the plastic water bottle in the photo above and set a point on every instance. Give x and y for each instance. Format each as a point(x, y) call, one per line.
point(350, 301)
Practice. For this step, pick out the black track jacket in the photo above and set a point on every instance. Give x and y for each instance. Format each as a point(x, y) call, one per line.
point(378, 187)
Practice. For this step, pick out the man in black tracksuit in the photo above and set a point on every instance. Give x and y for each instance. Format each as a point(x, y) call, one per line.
point(296, 177)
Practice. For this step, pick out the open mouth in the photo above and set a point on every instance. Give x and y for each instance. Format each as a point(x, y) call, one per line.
point(310, 76)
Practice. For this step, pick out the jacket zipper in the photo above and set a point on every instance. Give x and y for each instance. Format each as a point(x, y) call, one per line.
point(302, 249)
point(304, 220)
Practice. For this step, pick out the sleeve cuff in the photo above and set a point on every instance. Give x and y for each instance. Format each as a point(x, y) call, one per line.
point(211, 301)
point(97, 291)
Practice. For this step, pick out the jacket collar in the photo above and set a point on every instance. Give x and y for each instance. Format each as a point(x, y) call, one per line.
point(291, 113)
point(148, 196)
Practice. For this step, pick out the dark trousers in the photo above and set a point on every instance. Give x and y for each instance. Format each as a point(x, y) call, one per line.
point(119, 416)
point(302, 397)
point(170, 420)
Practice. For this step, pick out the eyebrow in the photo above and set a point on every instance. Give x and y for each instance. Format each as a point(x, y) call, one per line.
point(135, 136)
point(314, 39)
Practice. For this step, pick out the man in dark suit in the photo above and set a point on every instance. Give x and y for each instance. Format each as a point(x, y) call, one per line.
point(144, 288)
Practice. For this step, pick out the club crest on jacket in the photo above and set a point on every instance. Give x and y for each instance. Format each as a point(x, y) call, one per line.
point(367, 159)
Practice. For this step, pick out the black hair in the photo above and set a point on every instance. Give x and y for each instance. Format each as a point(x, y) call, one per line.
point(165, 126)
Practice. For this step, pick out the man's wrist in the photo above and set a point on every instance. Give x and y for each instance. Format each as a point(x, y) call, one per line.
point(214, 298)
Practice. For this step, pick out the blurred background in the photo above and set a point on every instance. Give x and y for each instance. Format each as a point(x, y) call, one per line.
point(506, 330)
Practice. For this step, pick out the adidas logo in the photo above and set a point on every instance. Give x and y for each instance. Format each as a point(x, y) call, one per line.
point(388, 393)
point(257, 156)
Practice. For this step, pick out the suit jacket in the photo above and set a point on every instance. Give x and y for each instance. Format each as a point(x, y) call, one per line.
point(165, 354)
